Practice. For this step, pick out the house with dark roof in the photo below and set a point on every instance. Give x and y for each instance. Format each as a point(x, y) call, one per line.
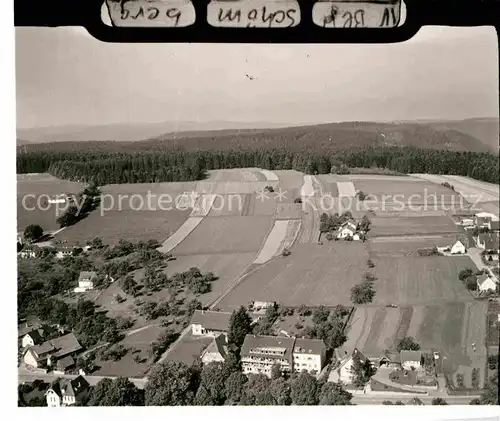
point(488, 241)
point(216, 351)
point(35, 337)
point(309, 355)
point(65, 364)
point(28, 326)
point(411, 359)
point(66, 392)
point(259, 353)
point(210, 323)
point(343, 372)
point(495, 226)
point(47, 353)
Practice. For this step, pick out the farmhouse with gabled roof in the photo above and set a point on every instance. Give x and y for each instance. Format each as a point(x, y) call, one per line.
point(66, 392)
point(486, 283)
point(210, 323)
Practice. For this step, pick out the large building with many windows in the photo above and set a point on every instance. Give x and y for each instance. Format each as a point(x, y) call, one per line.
point(260, 353)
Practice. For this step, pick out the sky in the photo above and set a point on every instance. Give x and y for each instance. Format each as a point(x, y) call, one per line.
point(65, 77)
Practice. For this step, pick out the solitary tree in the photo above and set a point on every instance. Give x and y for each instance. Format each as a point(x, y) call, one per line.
point(362, 293)
point(240, 325)
point(407, 344)
point(32, 233)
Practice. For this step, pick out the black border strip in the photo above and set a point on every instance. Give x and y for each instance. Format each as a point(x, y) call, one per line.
point(86, 13)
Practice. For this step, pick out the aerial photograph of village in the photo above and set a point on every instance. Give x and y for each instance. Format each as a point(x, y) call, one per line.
point(215, 224)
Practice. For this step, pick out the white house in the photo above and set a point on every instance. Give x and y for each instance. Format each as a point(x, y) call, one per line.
point(343, 373)
point(260, 353)
point(64, 252)
point(85, 281)
point(210, 323)
point(485, 283)
point(35, 337)
point(66, 392)
point(411, 360)
point(458, 248)
point(309, 355)
point(27, 254)
point(347, 229)
point(216, 351)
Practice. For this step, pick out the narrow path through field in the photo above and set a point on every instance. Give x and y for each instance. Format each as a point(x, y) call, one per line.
point(311, 193)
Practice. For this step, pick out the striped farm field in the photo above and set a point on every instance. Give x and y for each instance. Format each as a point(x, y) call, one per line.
point(415, 280)
point(311, 275)
point(282, 235)
point(407, 245)
point(231, 234)
point(180, 235)
point(289, 211)
point(411, 226)
point(407, 190)
point(346, 189)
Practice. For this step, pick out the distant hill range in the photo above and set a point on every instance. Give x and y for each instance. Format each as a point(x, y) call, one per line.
point(129, 132)
point(478, 135)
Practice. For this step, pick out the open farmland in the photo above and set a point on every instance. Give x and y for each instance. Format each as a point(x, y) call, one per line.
point(243, 205)
point(416, 280)
point(474, 190)
point(128, 225)
point(407, 245)
point(232, 234)
point(33, 192)
point(448, 328)
point(281, 237)
point(311, 275)
point(416, 225)
point(236, 174)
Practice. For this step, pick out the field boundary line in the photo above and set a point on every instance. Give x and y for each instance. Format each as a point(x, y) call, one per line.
point(240, 279)
point(246, 271)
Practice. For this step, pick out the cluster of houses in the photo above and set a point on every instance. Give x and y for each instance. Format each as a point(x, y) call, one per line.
point(350, 230)
point(406, 366)
point(57, 354)
point(30, 251)
point(66, 392)
point(258, 353)
point(485, 227)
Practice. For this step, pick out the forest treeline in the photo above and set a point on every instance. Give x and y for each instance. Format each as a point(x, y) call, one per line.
point(110, 167)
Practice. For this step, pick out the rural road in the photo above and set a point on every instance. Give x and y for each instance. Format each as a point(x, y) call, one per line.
point(93, 380)
point(377, 399)
point(475, 255)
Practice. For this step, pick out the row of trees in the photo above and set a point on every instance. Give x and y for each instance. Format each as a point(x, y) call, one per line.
point(104, 167)
point(173, 383)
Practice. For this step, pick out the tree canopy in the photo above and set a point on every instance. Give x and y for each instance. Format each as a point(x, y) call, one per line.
point(32, 233)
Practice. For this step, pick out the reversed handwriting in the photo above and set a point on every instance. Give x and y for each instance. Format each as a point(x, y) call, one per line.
point(253, 14)
point(357, 14)
point(155, 13)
